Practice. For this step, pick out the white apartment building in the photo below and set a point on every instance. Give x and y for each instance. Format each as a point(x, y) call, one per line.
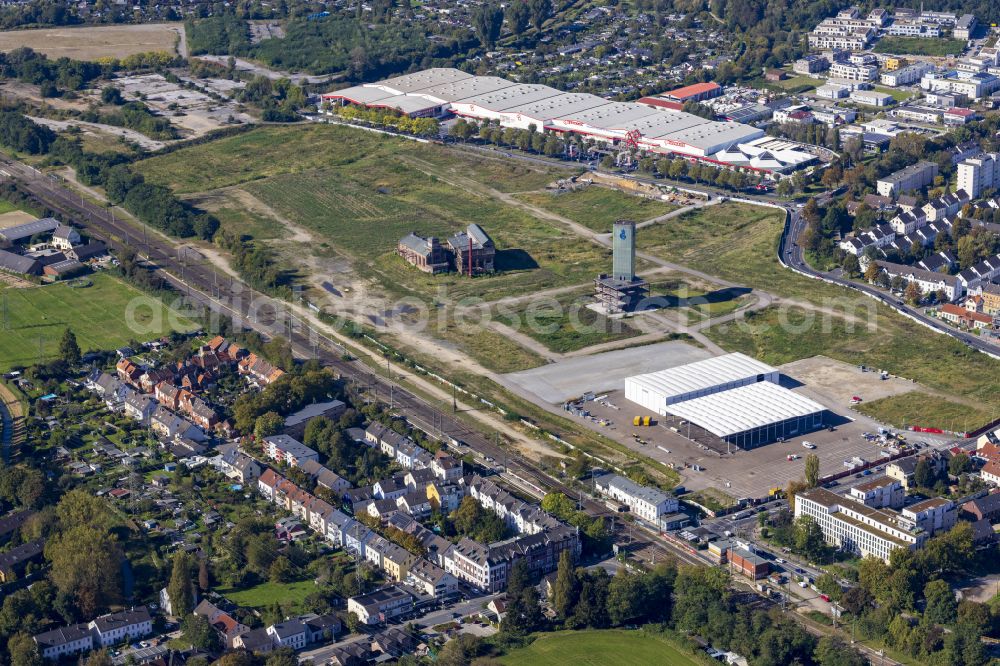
point(905, 76)
point(647, 503)
point(979, 173)
point(912, 177)
point(913, 29)
point(856, 528)
point(120, 627)
point(380, 605)
point(63, 641)
point(850, 72)
point(932, 515)
point(880, 493)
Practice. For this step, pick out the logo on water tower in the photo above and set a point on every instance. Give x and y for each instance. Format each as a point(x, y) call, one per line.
point(623, 234)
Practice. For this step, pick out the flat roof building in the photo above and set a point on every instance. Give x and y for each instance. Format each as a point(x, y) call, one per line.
point(660, 124)
point(752, 415)
point(855, 528)
point(656, 390)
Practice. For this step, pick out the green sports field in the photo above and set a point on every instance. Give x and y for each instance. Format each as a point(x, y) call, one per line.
point(105, 315)
point(600, 648)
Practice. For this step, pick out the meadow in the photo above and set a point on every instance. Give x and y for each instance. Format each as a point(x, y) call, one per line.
point(98, 314)
point(93, 42)
point(608, 647)
point(597, 208)
point(567, 325)
point(919, 46)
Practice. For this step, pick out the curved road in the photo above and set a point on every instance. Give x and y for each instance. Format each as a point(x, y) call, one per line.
point(792, 256)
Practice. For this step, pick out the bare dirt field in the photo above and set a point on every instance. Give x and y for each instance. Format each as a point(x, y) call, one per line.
point(841, 381)
point(14, 218)
point(92, 42)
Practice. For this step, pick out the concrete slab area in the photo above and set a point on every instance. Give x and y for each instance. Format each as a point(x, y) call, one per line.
point(557, 382)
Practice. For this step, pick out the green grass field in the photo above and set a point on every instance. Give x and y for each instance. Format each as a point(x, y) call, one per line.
point(100, 315)
point(565, 325)
point(597, 208)
point(738, 242)
point(6, 206)
point(919, 46)
point(918, 408)
point(276, 150)
point(600, 648)
point(898, 95)
point(268, 593)
point(362, 192)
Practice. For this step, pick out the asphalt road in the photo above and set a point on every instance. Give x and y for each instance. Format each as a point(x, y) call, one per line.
point(793, 256)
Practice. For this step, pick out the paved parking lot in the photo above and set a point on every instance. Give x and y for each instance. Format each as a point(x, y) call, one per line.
point(752, 473)
point(557, 382)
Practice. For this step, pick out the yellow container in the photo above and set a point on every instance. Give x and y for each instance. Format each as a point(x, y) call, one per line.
point(637, 420)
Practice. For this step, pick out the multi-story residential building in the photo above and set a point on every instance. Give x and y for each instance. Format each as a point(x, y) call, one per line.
point(911, 178)
point(965, 27)
point(979, 173)
point(290, 633)
point(431, 580)
point(972, 85)
point(121, 627)
point(65, 641)
point(292, 452)
point(880, 493)
point(850, 72)
point(903, 469)
point(237, 465)
point(381, 605)
point(990, 292)
point(139, 407)
point(905, 76)
point(646, 503)
point(933, 515)
point(856, 528)
point(920, 114)
point(914, 29)
point(985, 271)
point(385, 438)
point(810, 64)
point(929, 282)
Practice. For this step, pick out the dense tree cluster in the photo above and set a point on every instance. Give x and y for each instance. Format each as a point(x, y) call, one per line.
point(290, 392)
point(21, 134)
point(357, 47)
point(30, 66)
point(155, 205)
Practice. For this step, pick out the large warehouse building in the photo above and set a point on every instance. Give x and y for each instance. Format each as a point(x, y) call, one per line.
point(657, 390)
point(442, 91)
point(733, 397)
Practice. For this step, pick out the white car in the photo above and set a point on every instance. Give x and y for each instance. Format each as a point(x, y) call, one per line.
point(809, 445)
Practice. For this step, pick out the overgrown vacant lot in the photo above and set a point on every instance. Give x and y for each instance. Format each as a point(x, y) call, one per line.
point(93, 42)
point(911, 409)
point(596, 207)
point(739, 242)
point(98, 314)
point(362, 192)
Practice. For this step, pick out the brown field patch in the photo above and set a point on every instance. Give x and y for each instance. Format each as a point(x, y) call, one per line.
point(92, 42)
